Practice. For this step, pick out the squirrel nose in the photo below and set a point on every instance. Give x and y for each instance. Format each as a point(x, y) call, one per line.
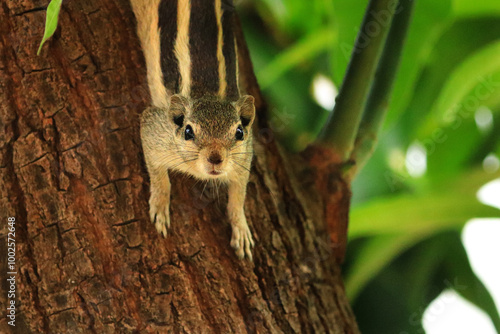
point(215, 158)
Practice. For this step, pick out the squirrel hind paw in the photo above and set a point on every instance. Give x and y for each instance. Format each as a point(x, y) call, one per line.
point(242, 242)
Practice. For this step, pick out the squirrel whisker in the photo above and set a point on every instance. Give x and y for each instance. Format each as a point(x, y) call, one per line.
point(248, 152)
point(235, 147)
point(240, 165)
point(241, 162)
point(183, 162)
point(203, 190)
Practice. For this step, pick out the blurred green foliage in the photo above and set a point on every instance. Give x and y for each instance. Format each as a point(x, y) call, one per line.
point(405, 245)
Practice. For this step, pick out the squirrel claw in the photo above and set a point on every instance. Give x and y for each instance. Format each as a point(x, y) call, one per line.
point(160, 218)
point(242, 242)
point(161, 228)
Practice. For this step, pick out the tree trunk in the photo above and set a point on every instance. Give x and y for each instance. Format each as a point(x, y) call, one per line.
point(72, 174)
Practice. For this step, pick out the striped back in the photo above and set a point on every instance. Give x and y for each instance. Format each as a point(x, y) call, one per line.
point(198, 55)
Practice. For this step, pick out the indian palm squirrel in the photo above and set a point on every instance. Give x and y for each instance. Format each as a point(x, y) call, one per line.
point(199, 123)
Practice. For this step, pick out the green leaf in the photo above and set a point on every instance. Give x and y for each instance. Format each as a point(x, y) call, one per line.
point(396, 224)
point(468, 8)
point(473, 72)
point(51, 21)
point(404, 288)
point(288, 16)
point(305, 49)
point(488, 143)
point(430, 20)
point(348, 15)
point(383, 306)
point(460, 41)
point(375, 254)
point(449, 149)
point(286, 96)
point(426, 212)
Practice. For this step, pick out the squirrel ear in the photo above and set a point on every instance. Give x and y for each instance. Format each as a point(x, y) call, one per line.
point(178, 108)
point(246, 108)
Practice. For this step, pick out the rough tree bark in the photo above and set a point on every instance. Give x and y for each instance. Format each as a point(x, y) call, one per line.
point(72, 173)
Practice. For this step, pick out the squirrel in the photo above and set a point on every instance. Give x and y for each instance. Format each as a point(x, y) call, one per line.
point(198, 123)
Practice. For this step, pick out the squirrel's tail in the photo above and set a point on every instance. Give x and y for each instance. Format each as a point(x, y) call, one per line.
point(148, 30)
point(189, 48)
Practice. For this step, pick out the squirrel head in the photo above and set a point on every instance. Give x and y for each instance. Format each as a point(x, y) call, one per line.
point(212, 137)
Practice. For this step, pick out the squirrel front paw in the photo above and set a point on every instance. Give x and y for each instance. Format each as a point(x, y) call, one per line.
point(242, 241)
point(159, 213)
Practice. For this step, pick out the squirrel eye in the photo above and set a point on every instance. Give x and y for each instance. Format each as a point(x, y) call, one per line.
point(239, 133)
point(179, 120)
point(188, 133)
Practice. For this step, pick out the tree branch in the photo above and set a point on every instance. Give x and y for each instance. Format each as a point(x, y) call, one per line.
point(378, 100)
point(340, 131)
